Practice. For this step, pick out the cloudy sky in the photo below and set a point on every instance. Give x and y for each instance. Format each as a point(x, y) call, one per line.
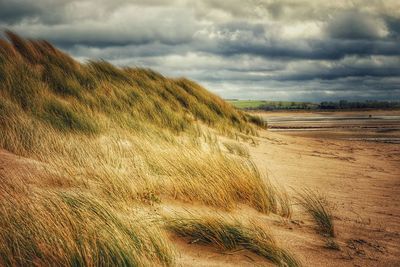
point(310, 50)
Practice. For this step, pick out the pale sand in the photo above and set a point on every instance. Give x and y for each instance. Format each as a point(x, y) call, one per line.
point(362, 179)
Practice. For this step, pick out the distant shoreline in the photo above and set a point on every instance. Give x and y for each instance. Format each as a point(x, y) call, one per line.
point(355, 125)
point(325, 106)
point(319, 110)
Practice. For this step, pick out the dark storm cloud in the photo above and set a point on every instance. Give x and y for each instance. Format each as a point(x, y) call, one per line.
point(344, 38)
point(40, 11)
point(393, 25)
point(288, 49)
point(376, 67)
point(310, 49)
point(12, 12)
point(356, 25)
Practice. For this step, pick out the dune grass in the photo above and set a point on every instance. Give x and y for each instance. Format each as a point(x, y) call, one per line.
point(316, 205)
point(228, 233)
point(257, 120)
point(82, 132)
point(183, 171)
point(63, 118)
point(34, 70)
point(106, 142)
point(53, 228)
point(236, 149)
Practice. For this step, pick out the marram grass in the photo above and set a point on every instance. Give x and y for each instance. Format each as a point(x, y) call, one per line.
point(106, 142)
point(318, 207)
point(50, 228)
point(39, 78)
point(229, 233)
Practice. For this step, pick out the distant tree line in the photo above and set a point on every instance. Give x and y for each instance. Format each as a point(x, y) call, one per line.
point(283, 105)
point(344, 104)
point(327, 105)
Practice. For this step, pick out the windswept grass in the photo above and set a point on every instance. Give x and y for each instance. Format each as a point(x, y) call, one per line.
point(236, 149)
point(183, 171)
point(283, 199)
point(257, 120)
point(228, 233)
point(50, 228)
point(34, 70)
point(108, 141)
point(46, 117)
point(317, 206)
point(63, 118)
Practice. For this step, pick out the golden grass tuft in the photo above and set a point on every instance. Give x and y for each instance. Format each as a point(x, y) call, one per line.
point(317, 206)
point(229, 233)
point(237, 149)
point(257, 120)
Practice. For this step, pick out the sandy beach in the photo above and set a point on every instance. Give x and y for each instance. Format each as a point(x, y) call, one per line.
point(361, 180)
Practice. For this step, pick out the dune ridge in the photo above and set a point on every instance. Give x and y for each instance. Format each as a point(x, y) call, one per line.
point(102, 148)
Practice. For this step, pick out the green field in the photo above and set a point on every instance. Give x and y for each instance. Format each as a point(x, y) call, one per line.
point(262, 104)
point(247, 103)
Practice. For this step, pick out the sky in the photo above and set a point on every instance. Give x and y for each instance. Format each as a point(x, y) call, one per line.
point(295, 50)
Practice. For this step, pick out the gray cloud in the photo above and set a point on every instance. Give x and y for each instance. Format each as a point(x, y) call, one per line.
point(356, 25)
point(287, 49)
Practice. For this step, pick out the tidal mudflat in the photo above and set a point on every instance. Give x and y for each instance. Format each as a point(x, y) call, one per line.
point(374, 126)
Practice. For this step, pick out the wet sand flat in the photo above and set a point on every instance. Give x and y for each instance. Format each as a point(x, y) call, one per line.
point(375, 126)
